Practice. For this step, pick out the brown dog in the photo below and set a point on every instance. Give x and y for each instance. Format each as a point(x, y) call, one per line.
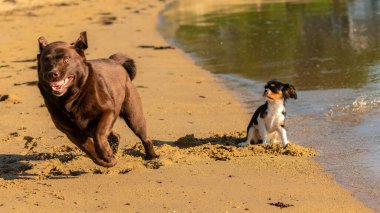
point(85, 97)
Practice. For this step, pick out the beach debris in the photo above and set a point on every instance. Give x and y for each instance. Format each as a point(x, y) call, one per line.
point(107, 18)
point(65, 4)
point(28, 83)
point(281, 205)
point(10, 1)
point(14, 134)
point(2, 66)
point(156, 47)
point(4, 97)
point(9, 99)
point(25, 60)
point(28, 139)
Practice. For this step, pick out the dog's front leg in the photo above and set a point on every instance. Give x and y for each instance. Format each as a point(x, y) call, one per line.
point(86, 144)
point(102, 131)
point(284, 138)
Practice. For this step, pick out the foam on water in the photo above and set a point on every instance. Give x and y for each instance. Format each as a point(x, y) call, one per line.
point(361, 104)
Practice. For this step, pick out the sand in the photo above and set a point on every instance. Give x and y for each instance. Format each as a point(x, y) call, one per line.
point(194, 120)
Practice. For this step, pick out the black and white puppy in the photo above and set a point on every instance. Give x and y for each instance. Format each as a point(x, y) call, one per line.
point(269, 118)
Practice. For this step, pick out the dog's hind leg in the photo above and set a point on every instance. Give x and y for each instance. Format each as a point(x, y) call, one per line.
point(250, 136)
point(262, 131)
point(132, 113)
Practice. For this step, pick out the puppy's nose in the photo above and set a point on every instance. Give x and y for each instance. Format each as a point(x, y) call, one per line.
point(52, 75)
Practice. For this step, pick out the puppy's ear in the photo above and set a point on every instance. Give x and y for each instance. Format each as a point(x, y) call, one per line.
point(290, 91)
point(42, 43)
point(81, 43)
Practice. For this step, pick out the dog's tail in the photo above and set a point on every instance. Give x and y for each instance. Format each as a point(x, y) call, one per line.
point(126, 62)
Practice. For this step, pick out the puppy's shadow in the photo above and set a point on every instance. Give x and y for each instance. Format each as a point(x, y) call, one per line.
point(185, 142)
point(14, 166)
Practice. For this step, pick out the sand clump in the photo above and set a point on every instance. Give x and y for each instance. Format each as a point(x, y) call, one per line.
point(9, 99)
point(66, 161)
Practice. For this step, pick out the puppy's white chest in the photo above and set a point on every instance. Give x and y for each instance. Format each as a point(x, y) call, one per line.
point(275, 118)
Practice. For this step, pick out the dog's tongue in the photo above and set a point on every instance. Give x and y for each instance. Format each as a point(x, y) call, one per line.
point(57, 84)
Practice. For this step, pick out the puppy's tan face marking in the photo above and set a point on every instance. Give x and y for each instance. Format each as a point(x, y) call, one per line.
point(274, 95)
point(275, 90)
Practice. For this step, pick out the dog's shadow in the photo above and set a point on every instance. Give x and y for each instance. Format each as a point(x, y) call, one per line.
point(14, 166)
point(187, 141)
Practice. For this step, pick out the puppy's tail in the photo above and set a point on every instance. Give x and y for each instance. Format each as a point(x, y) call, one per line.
point(126, 62)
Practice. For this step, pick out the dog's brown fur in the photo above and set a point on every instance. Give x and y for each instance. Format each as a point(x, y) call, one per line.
point(97, 93)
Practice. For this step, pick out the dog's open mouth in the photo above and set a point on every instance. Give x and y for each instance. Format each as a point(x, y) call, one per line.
point(60, 87)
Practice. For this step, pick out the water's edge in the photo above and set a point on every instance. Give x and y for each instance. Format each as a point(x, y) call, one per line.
point(232, 84)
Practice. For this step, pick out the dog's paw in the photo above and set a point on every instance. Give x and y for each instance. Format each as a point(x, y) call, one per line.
point(105, 163)
point(105, 154)
point(110, 162)
point(151, 156)
point(243, 144)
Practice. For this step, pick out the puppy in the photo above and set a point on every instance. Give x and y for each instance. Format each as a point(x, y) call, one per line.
point(85, 97)
point(269, 118)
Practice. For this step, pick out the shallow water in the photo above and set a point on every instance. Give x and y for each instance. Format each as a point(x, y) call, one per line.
point(329, 50)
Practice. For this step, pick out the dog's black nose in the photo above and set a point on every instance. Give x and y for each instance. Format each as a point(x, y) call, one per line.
point(52, 75)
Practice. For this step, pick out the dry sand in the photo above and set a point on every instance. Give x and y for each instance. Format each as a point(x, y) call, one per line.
point(193, 119)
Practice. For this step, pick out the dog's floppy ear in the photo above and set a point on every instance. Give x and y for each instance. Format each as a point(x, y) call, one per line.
point(42, 43)
point(290, 91)
point(81, 43)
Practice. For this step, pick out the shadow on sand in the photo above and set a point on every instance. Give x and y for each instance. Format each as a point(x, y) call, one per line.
point(188, 141)
point(13, 166)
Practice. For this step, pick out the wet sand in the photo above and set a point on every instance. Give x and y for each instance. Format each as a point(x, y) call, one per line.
point(194, 120)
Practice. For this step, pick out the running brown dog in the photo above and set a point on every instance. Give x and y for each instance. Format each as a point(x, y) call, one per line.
point(85, 97)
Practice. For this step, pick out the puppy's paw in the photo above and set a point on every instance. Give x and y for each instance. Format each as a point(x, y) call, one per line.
point(242, 144)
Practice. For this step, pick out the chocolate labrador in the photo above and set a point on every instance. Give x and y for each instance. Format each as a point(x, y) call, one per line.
point(85, 97)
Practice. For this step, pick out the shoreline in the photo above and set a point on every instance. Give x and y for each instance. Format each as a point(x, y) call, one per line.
point(179, 99)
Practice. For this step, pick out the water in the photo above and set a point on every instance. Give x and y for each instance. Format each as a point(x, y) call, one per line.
point(329, 50)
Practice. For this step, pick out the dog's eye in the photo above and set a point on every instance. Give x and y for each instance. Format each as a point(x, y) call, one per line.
point(66, 59)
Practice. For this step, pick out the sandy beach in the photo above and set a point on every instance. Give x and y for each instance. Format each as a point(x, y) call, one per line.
point(193, 119)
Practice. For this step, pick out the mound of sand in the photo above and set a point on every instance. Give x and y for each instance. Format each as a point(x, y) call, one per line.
point(66, 161)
